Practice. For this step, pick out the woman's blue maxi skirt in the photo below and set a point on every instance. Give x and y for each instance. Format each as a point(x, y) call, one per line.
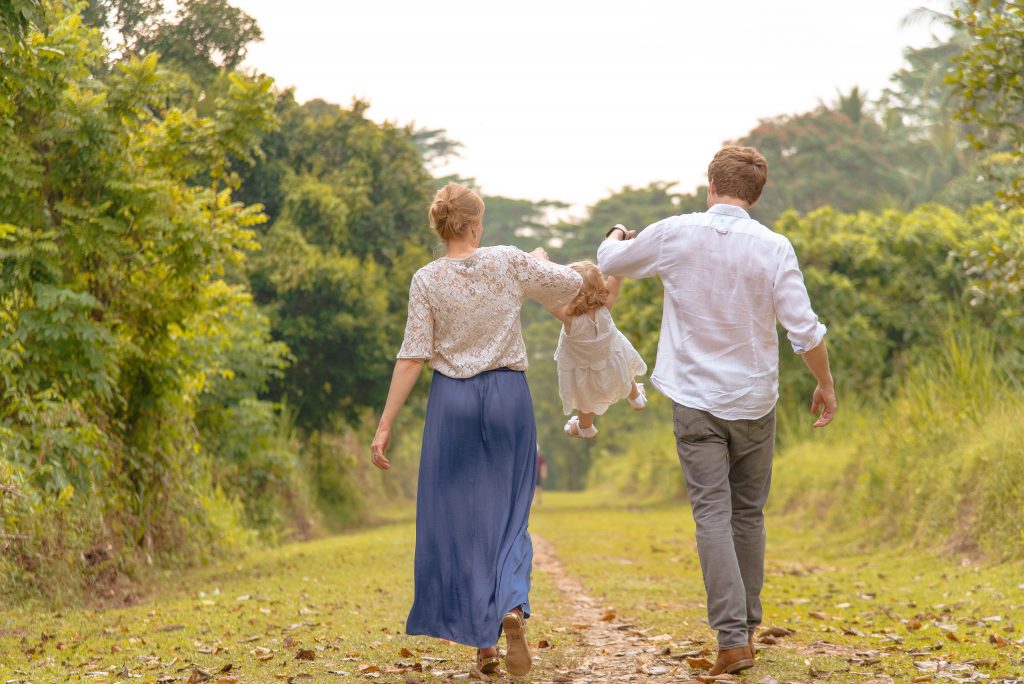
point(477, 476)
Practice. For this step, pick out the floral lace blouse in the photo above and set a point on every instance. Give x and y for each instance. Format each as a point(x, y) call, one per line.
point(464, 313)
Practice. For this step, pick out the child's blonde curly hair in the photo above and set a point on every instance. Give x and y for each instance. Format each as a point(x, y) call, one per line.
point(594, 292)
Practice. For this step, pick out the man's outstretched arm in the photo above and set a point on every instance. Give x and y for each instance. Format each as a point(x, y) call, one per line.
point(626, 256)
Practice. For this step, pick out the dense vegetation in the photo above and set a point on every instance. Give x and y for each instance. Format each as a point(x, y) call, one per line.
point(203, 283)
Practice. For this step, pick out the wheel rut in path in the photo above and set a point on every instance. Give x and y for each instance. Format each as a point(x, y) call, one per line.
point(608, 649)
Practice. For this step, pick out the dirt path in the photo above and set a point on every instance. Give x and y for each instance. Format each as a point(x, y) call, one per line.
point(610, 650)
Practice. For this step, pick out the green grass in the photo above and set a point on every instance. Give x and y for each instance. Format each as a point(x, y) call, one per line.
point(643, 562)
point(346, 598)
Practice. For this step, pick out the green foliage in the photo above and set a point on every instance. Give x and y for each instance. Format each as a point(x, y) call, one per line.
point(206, 36)
point(17, 15)
point(988, 77)
point(886, 283)
point(523, 223)
point(349, 231)
point(839, 157)
point(128, 364)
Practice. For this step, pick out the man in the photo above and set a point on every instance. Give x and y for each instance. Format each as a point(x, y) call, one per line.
point(727, 278)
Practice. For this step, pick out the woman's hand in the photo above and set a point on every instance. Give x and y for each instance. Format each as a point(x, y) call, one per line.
point(539, 253)
point(402, 381)
point(378, 448)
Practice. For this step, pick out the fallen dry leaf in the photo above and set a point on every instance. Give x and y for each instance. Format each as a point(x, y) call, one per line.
point(608, 617)
point(700, 663)
point(199, 676)
point(777, 632)
point(305, 654)
point(817, 615)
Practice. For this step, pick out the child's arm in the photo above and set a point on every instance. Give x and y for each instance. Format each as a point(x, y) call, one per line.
point(563, 315)
point(613, 284)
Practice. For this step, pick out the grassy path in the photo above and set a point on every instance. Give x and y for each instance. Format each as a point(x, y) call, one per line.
point(333, 611)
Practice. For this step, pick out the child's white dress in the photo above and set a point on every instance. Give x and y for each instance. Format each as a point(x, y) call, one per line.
point(596, 364)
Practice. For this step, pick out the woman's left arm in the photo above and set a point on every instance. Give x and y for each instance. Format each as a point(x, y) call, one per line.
point(552, 285)
point(407, 371)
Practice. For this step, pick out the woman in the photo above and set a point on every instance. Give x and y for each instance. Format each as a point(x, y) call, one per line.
point(479, 457)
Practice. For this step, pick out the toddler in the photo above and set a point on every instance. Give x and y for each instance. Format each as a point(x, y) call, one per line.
point(596, 363)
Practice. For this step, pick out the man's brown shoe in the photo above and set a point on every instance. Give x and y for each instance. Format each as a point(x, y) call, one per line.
point(732, 660)
point(752, 647)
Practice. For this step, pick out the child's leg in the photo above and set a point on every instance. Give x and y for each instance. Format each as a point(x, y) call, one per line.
point(634, 391)
point(586, 419)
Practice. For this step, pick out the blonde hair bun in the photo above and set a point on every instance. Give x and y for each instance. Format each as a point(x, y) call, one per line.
point(454, 211)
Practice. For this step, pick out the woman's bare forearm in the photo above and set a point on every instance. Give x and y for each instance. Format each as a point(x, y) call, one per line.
point(407, 371)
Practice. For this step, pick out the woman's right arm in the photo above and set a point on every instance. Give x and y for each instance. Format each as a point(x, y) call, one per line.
point(407, 371)
point(417, 346)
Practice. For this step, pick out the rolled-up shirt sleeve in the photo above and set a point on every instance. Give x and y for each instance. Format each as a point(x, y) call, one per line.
point(553, 285)
point(418, 342)
point(793, 305)
point(636, 258)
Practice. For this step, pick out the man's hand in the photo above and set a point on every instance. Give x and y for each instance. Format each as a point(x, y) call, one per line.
point(823, 402)
point(539, 253)
point(379, 447)
point(622, 234)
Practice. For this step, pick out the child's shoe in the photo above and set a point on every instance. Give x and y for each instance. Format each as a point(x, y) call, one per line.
point(574, 429)
point(640, 402)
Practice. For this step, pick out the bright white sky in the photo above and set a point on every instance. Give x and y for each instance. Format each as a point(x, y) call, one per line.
point(571, 99)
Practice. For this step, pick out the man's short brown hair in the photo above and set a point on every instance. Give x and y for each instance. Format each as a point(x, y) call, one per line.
point(739, 172)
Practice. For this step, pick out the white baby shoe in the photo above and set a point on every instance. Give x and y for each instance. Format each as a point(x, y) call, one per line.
point(640, 403)
point(573, 429)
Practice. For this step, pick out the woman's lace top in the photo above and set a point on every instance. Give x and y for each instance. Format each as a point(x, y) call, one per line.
point(464, 313)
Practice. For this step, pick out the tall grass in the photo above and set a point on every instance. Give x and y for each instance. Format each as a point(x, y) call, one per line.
point(939, 462)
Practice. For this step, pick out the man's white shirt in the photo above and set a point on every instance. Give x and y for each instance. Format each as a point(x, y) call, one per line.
point(727, 278)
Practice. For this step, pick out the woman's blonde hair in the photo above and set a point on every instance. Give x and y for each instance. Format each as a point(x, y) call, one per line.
point(593, 293)
point(455, 210)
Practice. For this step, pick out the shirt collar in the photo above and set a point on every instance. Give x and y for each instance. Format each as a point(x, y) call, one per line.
point(729, 210)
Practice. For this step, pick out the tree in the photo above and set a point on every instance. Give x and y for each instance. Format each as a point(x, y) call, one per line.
point(118, 330)
point(521, 222)
point(207, 36)
point(349, 229)
point(988, 77)
point(130, 19)
point(829, 157)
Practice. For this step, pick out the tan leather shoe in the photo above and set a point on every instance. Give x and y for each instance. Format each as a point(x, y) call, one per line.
point(732, 660)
